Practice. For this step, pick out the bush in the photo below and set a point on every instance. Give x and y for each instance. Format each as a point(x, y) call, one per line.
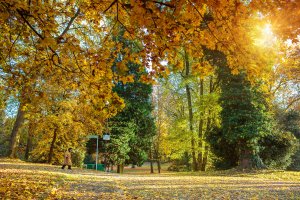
point(178, 168)
point(78, 157)
point(295, 165)
point(182, 164)
point(276, 149)
point(225, 154)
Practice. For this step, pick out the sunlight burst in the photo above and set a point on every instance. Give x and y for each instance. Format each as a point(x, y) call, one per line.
point(266, 37)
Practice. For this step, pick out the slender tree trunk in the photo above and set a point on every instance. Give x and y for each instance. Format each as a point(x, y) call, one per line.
point(151, 161)
point(29, 142)
point(151, 167)
point(120, 169)
point(14, 133)
point(189, 99)
point(206, 148)
point(205, 157)
point(208, 127)
point(201, 123)
point(158, 165)
point(52, 146)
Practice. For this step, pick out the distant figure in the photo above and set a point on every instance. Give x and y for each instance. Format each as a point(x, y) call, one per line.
point(67, 159)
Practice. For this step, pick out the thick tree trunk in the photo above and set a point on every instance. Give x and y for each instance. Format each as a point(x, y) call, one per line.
point(200, 131)
point(190, 108)
point(245, 161)
point(14, 133)
point(52, 146)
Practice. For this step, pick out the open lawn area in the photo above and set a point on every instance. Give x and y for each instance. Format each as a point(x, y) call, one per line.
point(21, 180)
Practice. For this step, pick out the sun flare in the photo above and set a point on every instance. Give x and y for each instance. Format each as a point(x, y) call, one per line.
point(265, 36)
point(267, 30)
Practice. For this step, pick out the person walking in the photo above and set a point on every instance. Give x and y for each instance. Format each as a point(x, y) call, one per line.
point(67, 159)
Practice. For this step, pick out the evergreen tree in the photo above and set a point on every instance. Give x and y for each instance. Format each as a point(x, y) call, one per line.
point(244, 118)
point(137, 112)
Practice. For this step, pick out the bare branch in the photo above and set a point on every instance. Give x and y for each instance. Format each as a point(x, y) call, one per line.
point(292, 102)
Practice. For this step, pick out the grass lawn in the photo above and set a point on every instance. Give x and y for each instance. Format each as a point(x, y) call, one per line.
point(21, 180)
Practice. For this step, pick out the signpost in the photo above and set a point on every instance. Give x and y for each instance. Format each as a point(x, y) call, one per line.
point(106, 137)
point(97, 148)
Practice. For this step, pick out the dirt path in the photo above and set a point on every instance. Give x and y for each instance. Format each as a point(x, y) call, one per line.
point(20, 180)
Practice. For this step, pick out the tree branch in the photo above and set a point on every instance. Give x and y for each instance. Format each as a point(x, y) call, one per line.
point(28, 24)
point(115, 1)
point(292, 102)
point(69, 24)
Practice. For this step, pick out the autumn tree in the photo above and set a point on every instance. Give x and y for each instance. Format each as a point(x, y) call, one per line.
point(71, 41)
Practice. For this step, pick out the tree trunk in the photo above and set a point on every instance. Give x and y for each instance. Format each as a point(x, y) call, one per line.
point(14, 133)
point(245, 161)
point(52, 146)
point(28, 146)
point(189, 99)
point(205, 157)
point(151, 167)
point(120, 169)
point(208, 127)
point(200, 132)
point(151, 162)
point(158, 165)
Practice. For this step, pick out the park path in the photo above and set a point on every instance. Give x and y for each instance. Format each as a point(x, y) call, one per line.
point(20, 180)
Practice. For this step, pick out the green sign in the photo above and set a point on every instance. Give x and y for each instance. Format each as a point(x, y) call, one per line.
point(92, 136)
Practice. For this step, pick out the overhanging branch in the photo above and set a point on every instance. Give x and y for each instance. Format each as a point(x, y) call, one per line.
point(69, 24)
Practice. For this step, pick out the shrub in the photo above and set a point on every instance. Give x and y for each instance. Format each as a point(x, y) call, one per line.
point(276, 149)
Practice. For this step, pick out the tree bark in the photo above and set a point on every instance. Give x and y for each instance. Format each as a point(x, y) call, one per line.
point(14, 133)
point(120, 169)
point(205, 158)
point(190, 108)
point(158, 165)
point(52, 146)
point(208, 127)
point(245, 161)
point(189, 99)
point(201, 123)
point(151, 162)
point(29, 144)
